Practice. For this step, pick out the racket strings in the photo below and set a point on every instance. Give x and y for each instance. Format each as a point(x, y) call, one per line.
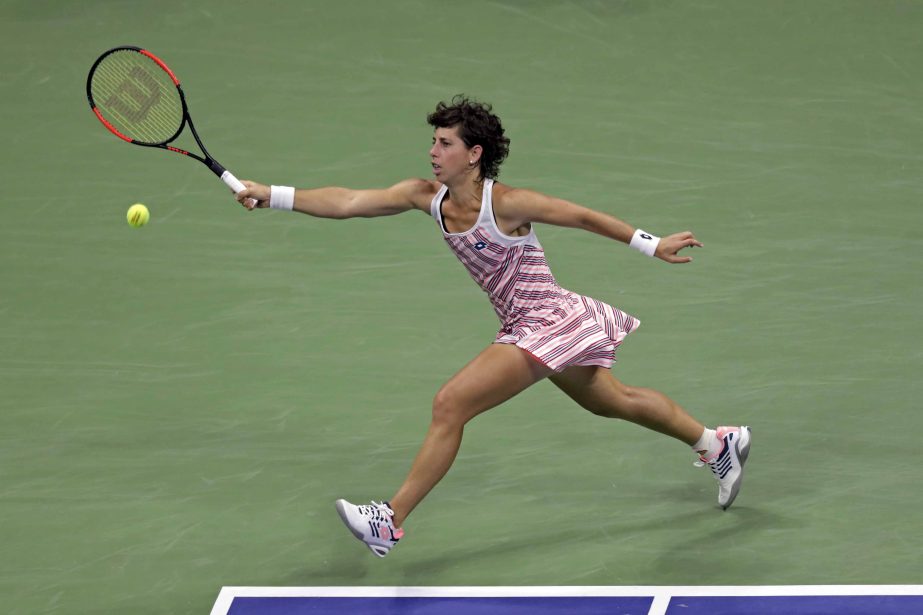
point(136, 96)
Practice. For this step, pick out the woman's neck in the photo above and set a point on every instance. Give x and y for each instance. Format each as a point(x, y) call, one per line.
point(468, 191)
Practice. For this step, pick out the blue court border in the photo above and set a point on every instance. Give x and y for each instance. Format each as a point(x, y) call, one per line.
point(574, 600)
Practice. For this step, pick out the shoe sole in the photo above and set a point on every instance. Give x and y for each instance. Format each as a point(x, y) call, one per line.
point(341, 510)
point(742, 454)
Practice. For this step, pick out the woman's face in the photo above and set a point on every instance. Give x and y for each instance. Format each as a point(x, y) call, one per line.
point(450, 157)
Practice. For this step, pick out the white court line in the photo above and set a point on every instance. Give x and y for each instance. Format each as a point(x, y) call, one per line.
point(661, 603)
point(660, 593)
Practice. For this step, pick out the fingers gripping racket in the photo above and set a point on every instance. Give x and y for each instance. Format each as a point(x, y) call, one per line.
point(139, 99)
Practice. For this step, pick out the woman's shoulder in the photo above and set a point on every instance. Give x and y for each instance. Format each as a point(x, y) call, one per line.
point(502, 193)
point(418, 190)
point(505, 195)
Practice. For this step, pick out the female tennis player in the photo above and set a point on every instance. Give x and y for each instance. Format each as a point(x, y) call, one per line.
point(546, 331)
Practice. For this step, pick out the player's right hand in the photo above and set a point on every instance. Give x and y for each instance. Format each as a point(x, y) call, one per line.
point(253, 192)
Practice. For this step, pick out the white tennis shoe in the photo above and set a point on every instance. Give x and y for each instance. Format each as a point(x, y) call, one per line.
point(728, 464)
point(372, 523)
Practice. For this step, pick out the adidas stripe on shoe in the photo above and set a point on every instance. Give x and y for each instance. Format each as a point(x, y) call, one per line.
point(372, 523)
point(728, 464)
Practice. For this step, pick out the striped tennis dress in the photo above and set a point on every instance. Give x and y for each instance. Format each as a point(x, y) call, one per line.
point(558, 327)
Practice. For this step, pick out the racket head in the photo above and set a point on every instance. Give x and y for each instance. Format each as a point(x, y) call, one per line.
point(136, 96)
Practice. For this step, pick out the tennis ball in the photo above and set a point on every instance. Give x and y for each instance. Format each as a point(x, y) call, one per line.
point(138, 215)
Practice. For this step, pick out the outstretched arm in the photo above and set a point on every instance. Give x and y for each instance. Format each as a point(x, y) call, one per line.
point(336, 202)
point(520, 207)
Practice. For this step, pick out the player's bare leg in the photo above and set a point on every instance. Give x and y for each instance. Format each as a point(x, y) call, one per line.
point(724, 450)
point(497, 374)
point(597, 390)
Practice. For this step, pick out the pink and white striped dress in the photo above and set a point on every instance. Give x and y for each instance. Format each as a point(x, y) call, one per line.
point(558, 327)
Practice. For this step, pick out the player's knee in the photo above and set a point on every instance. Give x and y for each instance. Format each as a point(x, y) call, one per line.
point(447, 410)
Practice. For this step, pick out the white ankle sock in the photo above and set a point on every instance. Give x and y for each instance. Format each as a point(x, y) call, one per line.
point(708, 445)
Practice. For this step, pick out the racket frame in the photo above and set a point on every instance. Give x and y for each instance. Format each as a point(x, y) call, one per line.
point(226, 176)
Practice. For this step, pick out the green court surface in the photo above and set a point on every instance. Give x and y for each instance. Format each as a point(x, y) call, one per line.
point(182, 404)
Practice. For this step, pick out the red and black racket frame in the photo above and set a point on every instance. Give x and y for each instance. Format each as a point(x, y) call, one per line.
point(210, 162)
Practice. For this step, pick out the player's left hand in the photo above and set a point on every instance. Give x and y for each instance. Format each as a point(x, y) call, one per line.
point(669, 247)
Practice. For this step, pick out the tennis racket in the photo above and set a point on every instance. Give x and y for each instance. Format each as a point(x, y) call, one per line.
point(139, 99)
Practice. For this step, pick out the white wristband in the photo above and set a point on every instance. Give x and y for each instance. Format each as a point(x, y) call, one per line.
point(644, 242)
point(281, 197)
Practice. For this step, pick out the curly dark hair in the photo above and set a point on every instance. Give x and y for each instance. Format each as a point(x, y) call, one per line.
point(476, 126)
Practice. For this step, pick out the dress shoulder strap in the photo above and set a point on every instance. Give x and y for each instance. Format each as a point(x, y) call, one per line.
point(436, 202)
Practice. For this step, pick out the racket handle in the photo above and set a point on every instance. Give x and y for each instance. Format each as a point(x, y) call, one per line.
point(234, 184)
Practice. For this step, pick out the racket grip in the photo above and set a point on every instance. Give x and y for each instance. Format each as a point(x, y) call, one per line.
point(234, 184)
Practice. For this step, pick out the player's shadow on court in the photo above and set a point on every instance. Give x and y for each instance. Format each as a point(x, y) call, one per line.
point(435, 569)
point(355, 565)
point(739, 520)
point(740, 525)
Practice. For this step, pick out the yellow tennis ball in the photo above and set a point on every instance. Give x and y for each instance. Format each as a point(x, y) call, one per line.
point(138, 215)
